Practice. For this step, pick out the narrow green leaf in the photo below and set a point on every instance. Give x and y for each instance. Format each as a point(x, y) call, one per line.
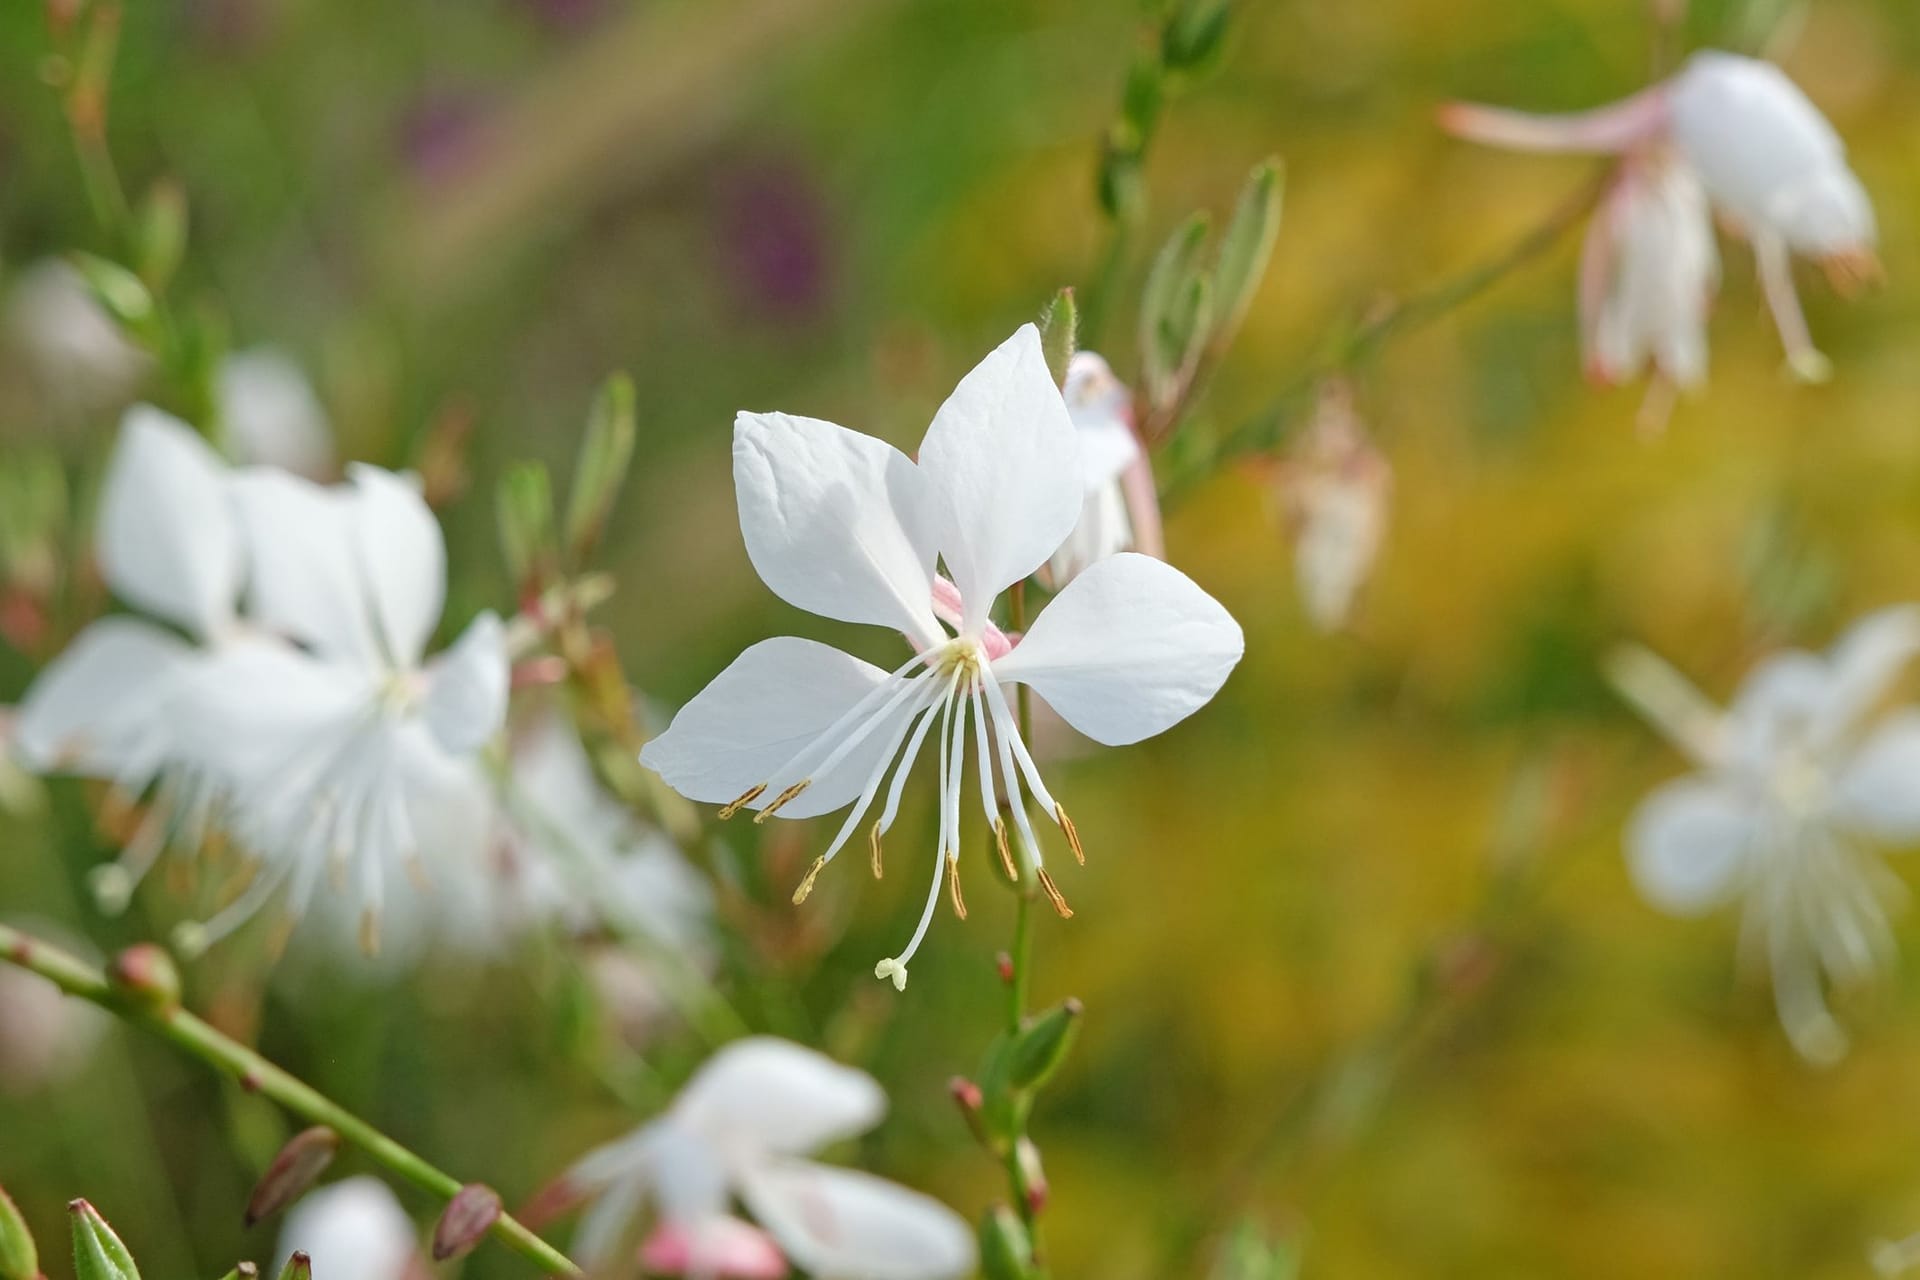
point(525, 514)
point(1247, 246)
point(605, 451)
point(1168, 292)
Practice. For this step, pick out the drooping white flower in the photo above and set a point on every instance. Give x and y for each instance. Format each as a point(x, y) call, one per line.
point(1333, 489)
point(738, 1131)
point(1800, 786)
point(270, 416)
point(355, 1228)
point(1121, 511)
point(1767, 159)
point(848, 527)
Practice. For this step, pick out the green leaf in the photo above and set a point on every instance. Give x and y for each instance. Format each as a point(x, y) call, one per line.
point(1168, 307)
point(1006, 1248)
point(97, 1252)
point(1060, 333)
point(605, 451)
point(1042, 1045)
point(525, 514)
point(1247, 246)
point(19, 1259)
point(120, 291)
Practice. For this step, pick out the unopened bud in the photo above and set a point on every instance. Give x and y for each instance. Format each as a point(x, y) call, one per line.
point(1003, 964)
point(299, 1267)
point(1033, 1178)
point(1006, 1249)
point(468, 1217)
point(1042, 1045)
point(605, 451)
point(19, 1259)
point(160, 232)
point(242, 1271)
point(97, 1252)
point(146, 974)
point(293, 1172)
point(969, 1097)
point(1193, 34)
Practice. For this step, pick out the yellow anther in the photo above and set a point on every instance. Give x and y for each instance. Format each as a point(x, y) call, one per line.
point(953, 884)
point(783, 798)
point(806, 881)
point(1060, 906)
point(1073, 837)
point(873, 840)
point(1006, 854)
point(754, 793)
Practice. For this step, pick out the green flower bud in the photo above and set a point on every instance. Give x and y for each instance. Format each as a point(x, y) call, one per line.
point(19, 1259)
point(97, 1252)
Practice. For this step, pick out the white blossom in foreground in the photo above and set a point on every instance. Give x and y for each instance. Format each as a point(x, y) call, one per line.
point(737, 1131)
point(353, 1228)
point(1766, 157)
point(848, 527)
point(1334, 488)
point(270, 416)
point(1121, 510)
point(1800, 784)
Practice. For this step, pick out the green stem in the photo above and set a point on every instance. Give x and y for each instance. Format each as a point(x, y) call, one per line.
point(199, 1040)
point(1020, 980)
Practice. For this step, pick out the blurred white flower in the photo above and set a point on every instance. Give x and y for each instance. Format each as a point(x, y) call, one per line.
point(270, 416)
point(738, 1130)
point(72, 348)
point(1800, 785)
point(354, 1229)
point(1766, 157)
point(1334, 488)
point(1121, 510)
point(848, 527)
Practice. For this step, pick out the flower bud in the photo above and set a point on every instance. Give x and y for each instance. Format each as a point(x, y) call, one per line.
point(1194, 33)
point(146, 975)
point(970, 1099)
point(160, 233)
point(1060, 332)
point(1042, 1045)
point(97, 1252)
point(467, 1219)
point(118, 290)
point(605, 451)
point(1033, 1177)
point(1006, 1250)
point(293, 1172)
point(299, 1267)
point(1247, 245)
point(19, 1259)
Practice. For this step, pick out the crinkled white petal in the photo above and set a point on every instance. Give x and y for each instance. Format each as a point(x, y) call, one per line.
point(854, 1226)
point(1129, 649)
point(167, 537)
point(773, 700)
point(306, 580)
point(466, 702)
point(1004, 466)
point(1691, 843)
point(1878, 790)
point(771, 1095)
point(102, 707)
point(403, 559)
point(836, 522)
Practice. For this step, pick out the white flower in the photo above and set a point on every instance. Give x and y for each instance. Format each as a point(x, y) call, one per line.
point(738, 1130)
point(1766, 157)
point(74, 350)
point(1121, 511)
point(850, 528)
point(270, 416)
point(1800, 784)
point(1333, 489)
point(353, 1228)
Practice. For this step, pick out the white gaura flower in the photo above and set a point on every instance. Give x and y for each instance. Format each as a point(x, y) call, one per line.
point(738, 1130)
point(357, 766)
point(1121, 510)
point(270, 416)
point(1766, 157)
point(1800, 785)
point(1333, 490)
point(353, 1228)
point(848, 527)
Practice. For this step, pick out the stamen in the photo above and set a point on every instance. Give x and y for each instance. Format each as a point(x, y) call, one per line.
point(1073, 837)
point(1060, 906)
point(894, 970)
point(783, 798)
point(873, 839)
point(806, 881)
point(953, 884)
point(752, 794)
point(1006, 855)
point(872, 786)
point(1007, 733)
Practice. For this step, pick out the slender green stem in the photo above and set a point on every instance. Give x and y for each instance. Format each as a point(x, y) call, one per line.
point(199, 1040)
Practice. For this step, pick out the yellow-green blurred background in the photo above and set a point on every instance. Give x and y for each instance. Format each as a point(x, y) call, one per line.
point(834, 207)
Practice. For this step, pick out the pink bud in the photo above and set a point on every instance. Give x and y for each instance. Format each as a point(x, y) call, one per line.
point(293, 1172)
point(467, 1219)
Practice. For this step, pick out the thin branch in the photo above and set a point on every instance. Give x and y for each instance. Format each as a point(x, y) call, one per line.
point(254, 1073)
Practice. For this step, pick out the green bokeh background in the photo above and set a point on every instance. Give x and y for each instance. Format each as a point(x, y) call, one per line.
point(474, 205)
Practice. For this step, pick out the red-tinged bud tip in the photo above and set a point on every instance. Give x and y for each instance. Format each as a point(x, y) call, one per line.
point(468, 1217)
point(299, 1267)
point(966, 1093)
point(1004, 964)
point(146, 973)
point(1032, 1175)
point(293, 1172)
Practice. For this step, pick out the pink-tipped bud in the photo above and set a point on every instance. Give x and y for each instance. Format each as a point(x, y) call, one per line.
point(1003, 965)
point(468, 1217)
point(147, 974)
point(293, 1172)
point(1032, 1175)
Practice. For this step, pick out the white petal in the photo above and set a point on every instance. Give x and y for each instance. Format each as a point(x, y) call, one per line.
point(305, 579)
point(167, 540)
point(1128, 650)
point(1879, 789)
point(850, 1225)
point(1867, 661)
point(352, 1228)
point(1779, 701)
point(467, 702)
point(1004, 467)
point(403, 558)
point(770, 1095)
point(100, 708)
point(836, 522)
point(1690, 844)
point(756, 715)
point(270, 414)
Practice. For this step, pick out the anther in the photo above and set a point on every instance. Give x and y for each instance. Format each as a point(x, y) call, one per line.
point(752, 794)
point(1060, 906)
point(782, 799)
point(1073, 837)
point(806, 881)
point(891, 970)
point(873, 839)
point(953, 884)
point(1006, 854)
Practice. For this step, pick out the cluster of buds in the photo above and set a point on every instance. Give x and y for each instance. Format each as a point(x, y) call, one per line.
point(99, 1253)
